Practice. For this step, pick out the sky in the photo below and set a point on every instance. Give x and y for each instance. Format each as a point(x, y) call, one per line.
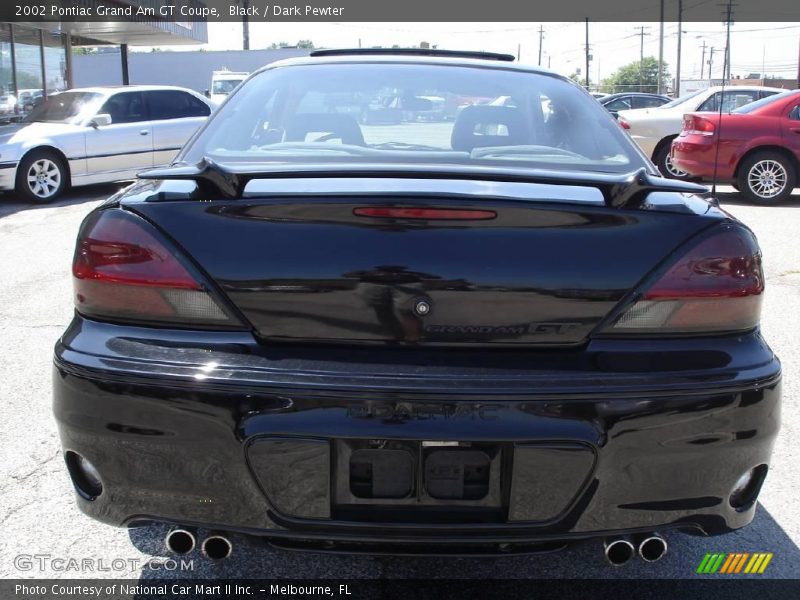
point(755, 47)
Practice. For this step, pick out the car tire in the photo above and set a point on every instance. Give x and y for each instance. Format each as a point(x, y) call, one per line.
point(41, 176)
point(665, 165)
point(766, 178)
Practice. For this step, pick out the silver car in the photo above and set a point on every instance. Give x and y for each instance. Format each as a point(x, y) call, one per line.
point(96, 135)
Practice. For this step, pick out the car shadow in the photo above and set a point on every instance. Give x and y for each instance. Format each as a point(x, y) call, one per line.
point(737, 199)
point(583, 560)
point(10, 203)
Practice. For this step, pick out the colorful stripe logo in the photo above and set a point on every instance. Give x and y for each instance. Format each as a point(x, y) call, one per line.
point(735, 562)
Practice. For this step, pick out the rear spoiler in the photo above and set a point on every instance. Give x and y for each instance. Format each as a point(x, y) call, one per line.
point(627, 190)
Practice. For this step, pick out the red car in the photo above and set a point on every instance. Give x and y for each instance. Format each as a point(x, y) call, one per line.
point(759, 147)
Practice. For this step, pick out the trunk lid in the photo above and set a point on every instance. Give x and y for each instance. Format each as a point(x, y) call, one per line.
point(307, 268)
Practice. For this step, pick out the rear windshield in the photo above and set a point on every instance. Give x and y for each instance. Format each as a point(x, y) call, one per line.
point(748, 108)
point(225, 86)
point(682, 99)
point(399, 112)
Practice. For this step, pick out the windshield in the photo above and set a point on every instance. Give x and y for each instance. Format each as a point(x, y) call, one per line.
point(66, 107)
point(682, 99)
point(414, 113)
point(748, 108)
point(225, 86)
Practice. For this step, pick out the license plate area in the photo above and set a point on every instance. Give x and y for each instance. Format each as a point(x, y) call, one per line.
point(400, 474)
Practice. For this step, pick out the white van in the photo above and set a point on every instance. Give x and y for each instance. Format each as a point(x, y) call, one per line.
point(223, 83)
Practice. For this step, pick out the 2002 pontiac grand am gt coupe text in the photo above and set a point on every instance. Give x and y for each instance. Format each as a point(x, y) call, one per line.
point(502, 332)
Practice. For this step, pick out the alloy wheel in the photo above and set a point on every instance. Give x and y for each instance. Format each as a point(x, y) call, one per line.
point(44, 178)
point(767, 178)
point(672, 169)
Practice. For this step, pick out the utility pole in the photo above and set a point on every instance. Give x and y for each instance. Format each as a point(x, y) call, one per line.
point(641, 35)
point(661, 50)
point(541, 36)
point(710, 63)
point(703, 61)
point(245, 25)
point(678, 64)
point(587, 53)
point(726, 67)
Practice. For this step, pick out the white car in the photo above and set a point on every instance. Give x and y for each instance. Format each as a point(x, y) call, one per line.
point(96, 135)
point(223, 83)
point(655, 128)
point(8, 103)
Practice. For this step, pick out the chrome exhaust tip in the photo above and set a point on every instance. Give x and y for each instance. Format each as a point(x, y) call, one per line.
point(217, 547)
point(180, 541)
point(652, 547)
point(618, 551)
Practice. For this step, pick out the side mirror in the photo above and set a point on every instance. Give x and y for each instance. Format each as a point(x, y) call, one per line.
point(207, 94)
point(101, 120)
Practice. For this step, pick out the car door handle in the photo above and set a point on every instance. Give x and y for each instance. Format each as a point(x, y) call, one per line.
point(144, 132)
point(795, 129)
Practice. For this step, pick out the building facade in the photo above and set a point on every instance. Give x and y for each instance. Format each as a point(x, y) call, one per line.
point(38, 57)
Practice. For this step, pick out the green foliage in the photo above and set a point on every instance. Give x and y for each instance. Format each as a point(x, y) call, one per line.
point(632, 78)
point(300, 44)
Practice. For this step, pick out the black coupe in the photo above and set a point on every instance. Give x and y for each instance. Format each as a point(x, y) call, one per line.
point(500, 333)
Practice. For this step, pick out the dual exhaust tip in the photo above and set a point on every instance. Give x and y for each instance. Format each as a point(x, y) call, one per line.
point(650, 547)
point(618, 551)
point(182, 541)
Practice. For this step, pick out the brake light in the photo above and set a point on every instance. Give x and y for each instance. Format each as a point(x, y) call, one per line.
point(124, 269)
point(623, 123)
point(431, 214)
point(692, 124)
point(716, 286)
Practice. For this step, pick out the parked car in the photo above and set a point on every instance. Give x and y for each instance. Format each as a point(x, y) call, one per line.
point(614, 103)
point(756, 147)
point(421, 338)
point(8, 104)
point(95, 135)
point(655, 128)
point(29, 99)
point(222, 85)
point(599, 95)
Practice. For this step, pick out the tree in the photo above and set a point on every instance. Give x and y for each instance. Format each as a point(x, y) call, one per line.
point(632, 78)
point(305, 44)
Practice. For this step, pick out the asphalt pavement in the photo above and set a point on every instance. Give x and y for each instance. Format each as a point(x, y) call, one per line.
point(40, 524)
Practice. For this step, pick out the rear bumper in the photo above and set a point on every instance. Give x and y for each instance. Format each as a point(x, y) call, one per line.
point(698, 158)
point(229, 436)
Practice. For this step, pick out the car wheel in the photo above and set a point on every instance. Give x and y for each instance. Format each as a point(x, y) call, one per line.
point(666, 166)
point(766, 178)
point(41, 177)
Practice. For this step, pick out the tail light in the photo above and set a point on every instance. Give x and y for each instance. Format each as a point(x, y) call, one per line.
point(623, 123)
point(125, 270)
point(692, 124)
point(715, 286)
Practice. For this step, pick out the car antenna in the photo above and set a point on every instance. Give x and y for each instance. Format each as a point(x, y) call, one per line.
point(725, 70)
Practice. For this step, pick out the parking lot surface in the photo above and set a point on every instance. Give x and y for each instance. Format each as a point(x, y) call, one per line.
point(38, 516)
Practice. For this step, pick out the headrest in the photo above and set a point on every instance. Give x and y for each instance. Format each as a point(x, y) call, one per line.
point(479, 126)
